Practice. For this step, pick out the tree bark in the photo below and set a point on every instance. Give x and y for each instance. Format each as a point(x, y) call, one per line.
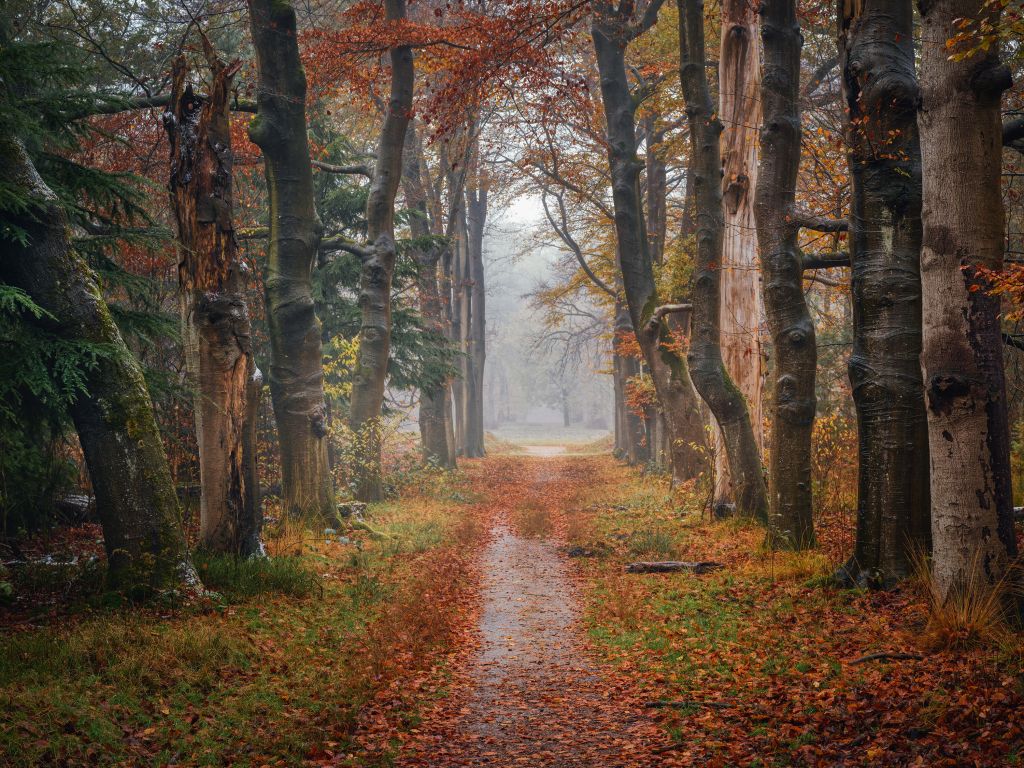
point(214, 316)
point(742, 306)
point(475, 334)
point(433, 395)
point(611, 33)
point(634, 442)
point(792, 331)
point(707, 369)
point(965, 384)
point(880, 87)
point(378, 267)
point(135, 496)
point(296, 357)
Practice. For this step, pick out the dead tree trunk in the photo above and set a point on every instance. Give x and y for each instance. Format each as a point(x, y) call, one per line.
point(742, 307)
point(880, 87)
point(710, 378)
point(792, 331)
point(961, 152)
point(378, 266)
point(296, 359)
point(135, 496)
point(433, 395)
point(612, 30)
point(215, 325)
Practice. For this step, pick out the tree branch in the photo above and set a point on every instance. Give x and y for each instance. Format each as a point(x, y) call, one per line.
point(825, 260)
point(666, 309)
point(351, 170)
point(819, 223)
point(342, 243)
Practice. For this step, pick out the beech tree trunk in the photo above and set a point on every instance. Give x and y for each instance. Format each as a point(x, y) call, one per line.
point(215, 324)
point(634, 441)
point(378, 266)
point(476, 350)
point(296, 357)
point(880, 87)
point(135, 496)
point(707, 369)
point(611, 33)
point(742, 306)
point(433, 395)
point(792, 331)
point(961, 141)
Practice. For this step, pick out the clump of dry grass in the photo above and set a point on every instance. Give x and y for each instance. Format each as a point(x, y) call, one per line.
point(973, 611)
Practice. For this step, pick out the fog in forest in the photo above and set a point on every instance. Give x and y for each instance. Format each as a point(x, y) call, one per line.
point(541, 383)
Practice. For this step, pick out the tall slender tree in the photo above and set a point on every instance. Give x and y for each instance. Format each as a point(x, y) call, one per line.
point(613, 28)
point(962, 213)
point(215, 324)
point(880, 88)
point(434, 396)
point(709, 375)
point(378, 266)
point(296, 358)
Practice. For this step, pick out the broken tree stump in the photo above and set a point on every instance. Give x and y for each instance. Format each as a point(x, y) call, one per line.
point(674, 566)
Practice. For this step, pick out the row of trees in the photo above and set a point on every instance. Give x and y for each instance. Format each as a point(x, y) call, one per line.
point(467, 104)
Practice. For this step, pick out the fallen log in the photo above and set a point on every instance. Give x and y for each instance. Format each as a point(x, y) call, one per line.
point(886, 655)
point(674, 566)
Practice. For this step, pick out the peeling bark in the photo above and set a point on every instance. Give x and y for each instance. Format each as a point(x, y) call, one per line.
point(742, 306)
point(296, 357)
point(880, 88)
point(214, 315)
point(792, 331)
point(965, 384)
point(707, 369)
point(135, 496)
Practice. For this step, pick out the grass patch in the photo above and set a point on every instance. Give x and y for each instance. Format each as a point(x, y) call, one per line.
point(237, 578)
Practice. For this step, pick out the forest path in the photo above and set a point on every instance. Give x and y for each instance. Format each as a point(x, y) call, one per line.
point(529, 693)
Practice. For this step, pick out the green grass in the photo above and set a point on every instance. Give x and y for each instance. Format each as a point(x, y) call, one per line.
point(237, 578)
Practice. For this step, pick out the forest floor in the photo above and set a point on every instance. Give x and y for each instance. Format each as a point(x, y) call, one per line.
point(487, 620)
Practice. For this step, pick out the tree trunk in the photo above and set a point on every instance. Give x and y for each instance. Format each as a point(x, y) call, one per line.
point(433, 435)
point(214, 316)
point(611, 36)
point(961, 141)
point(635, 444)
point(710, 378)
point(793, 342)
point(742, 307)
point(378, 266)
point(135, 496)
point(880, 87)
point(296, 358)
point(476, 217)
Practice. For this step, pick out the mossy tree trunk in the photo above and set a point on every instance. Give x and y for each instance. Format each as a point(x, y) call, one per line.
point(789, 321)
point(707, 369)
point(296, 357)
point(135, 496)
point(880, 88)
point(215, 323)
point(963, 230)
point(378, 265)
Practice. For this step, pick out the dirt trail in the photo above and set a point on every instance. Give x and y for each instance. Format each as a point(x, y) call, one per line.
point(535, 698)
